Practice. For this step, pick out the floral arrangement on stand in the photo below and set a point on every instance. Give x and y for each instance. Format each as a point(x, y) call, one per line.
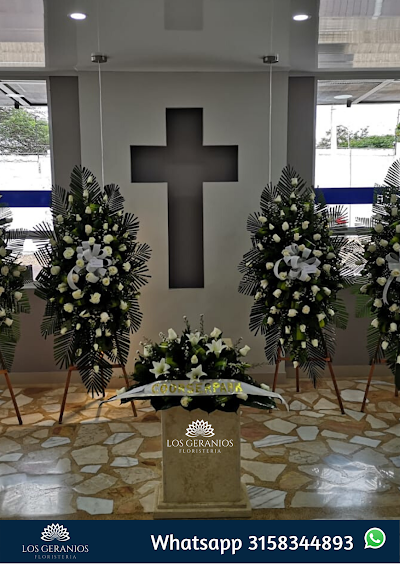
point(294, 272)
point(197, 357)
point(379, 289)
point(13, 298)
point(93, 269)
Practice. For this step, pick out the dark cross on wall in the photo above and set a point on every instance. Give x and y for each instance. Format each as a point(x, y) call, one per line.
point(185, 164)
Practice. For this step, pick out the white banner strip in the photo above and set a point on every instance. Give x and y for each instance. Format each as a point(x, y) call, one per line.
point(186, 388)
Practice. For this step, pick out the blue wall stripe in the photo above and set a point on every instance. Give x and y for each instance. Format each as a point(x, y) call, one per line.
point(340, 195)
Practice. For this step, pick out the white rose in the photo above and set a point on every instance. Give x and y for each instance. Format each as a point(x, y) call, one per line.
point(326, 267)
point(296, 237)
point(295, 182)
point(270, 321)
point(120, 286)
point(4, 270)
point(105, 281)
point(77, 294)
point(269, 265)
point(91, 241)
point(302, 247)
point(380, 261)
point(277, 293)
point(293, 208)
point(378, 303)
point(98, 332)
point(372, 247)
point(285, 227)
point(384, 345)
point(315, 289)
point(92, 278)
point(68, 239)
point(317, 253)
point(296, 295)
point(330, 255)
point(393, 327)
point(303, 328)
point(108, 250)
point(216, 333)
point(273, 310)
point(314, 342)
point(55, 270)
point(108, 238)
point(63, 330)
point(398, 228)
point(242, 396)
point(305, 309)
point(112, 270)
point(62, 287)
point(321, 316)
point(271, 226)
point(326, 291)
point(88, 229)
point(292, 313)
point(264, 283)
point(2, 290)
point(393, 308)
point(122, 248)
point(258, 296)
point(278, 199)
point(375, 323)
point(382, 243)
point(75, 278)
point(262, 219)
point(78, 326)
point(69, 253)
point(305, 224)
point(381, 281)
point(260, 246)
point(185, 401)
point(95, 298)
point(304, 344)
point(80, 263)
point(393, 198)
point(276, 238)
point(18, 295)
point(3, 251)
point(395, 273)
point(396, 247)
point(245, 350)
point(96, 368)
point(378, 228)
point(126, 266)
point(194, 360)
point(265, 386)
point(88, 210)
point(295, 364)
point(395, 211)
point(68, 307)
point(104, 317)
point(115, 228)
point(124, 306)
point(78, 217)
point(16, 273)
point(60, 218)
point(316, 237)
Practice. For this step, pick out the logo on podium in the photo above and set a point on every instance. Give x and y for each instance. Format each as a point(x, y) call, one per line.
point(199, 428)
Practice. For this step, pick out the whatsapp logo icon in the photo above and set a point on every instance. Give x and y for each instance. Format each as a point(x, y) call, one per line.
point(374, 538)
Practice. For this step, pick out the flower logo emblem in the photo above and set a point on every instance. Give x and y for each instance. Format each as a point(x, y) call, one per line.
point(199, 428)
point(55, 532)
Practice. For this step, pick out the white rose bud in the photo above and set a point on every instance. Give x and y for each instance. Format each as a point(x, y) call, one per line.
point(303, 328)
point(98, 332)
point(262, 219)
point(95, 298)
point(88, 229)
point(326, 267)
point(105, 281)
point(270, 321)
point(295, 182)
point(269, 265)
point(304, 344)
point(18, 295)
point(293, 208)
point(63, 330)
point(264, 283)
point(393, 198)
point(88, 210)
point(68, 307)
point(55, 270)
point(77, 294)
point(258, 296)
point(378, 228)
point(382, 243)
point(278, 199)
point(260, 246)
point(326, 291)
point(277, 293)
point(296, 295)
point(276, 238)
point(316, 237)
point(292, 313)
point(393, 327)
point(244, 351)
point(384, 345)
point(381, 281)
point(314, 342)
point(315, 289)
point(380, 261)
point(378, 303)
point(321, 316)
point(216, 333)
point(285, 227)
point(305, 309)
point(375, 323)
point(395, 211)
point(372, 247)
point(305, 224)
point(396, 247)
point(296, 236)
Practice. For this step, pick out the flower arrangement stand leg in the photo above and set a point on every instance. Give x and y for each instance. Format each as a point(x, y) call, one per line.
point(8, 381)
point(67, 383)
point(371, 373)
point(328, 360)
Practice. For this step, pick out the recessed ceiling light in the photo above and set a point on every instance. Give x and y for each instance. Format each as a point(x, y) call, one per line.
point(343, 96)
point(78, 16)
point(301, 17)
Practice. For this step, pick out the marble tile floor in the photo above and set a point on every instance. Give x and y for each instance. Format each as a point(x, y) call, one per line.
point(311, 462)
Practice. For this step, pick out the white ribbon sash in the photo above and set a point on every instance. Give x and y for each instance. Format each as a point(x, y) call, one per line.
point(204, 388)
point(300, 263)
point(393, 263)
point(94, 258)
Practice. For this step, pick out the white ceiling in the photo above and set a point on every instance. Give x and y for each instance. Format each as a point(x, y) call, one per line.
point(181, 35)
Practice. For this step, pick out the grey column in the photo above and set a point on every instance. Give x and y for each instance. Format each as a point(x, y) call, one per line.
point(65, 127)
point(301, 125)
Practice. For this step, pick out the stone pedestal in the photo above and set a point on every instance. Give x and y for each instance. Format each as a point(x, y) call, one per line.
point(201, 466)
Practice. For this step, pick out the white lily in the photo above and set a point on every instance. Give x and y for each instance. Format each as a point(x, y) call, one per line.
point(194, 338)
point(215, 347)
point(196, 373)
point(160, 368)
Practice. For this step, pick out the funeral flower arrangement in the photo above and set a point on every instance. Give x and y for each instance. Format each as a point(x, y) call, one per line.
point(295, 271)
point(198, 357)
point(93, 269)
point(380, 285)
point(13, 298)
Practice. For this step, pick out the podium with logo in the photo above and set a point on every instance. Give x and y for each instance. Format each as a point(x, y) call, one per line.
point(201, 466)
